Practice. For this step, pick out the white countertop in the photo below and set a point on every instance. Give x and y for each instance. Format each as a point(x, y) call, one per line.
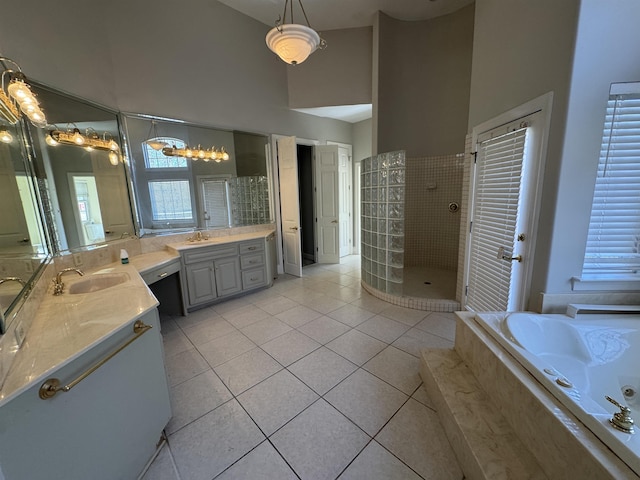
point(182, 246)
point(68, 325)
point(148, 261)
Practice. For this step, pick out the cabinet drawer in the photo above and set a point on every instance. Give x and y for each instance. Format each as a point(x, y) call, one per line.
point(251, 261)
point(252, 246)
point(152, 276)
point(254, 278)
point(210, 253)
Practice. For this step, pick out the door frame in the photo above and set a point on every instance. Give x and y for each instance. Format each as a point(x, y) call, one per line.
point(276, 186)
point(543, 105)
point(353, 248)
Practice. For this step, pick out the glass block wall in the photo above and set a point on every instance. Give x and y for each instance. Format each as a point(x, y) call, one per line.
point(382, 193)
point(250, 200)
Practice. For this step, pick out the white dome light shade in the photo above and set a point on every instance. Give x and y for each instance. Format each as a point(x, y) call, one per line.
point(293, 43)
point(156, 145)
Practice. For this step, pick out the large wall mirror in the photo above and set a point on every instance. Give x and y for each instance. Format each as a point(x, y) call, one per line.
point(84, 184)
point(24, 246)
point(178, 185)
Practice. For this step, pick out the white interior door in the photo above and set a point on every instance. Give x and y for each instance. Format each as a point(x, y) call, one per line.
point(114, 197)
point(503, 220)
point(344, 201)
point(289, 206)
point(327, 203)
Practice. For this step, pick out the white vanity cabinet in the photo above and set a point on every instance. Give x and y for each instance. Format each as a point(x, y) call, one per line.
point(104, 428)
point(211, 272)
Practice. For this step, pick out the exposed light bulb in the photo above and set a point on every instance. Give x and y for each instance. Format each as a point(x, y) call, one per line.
point(189, 153)
point(50, 141)
point(113, 146)
point(19, 90)
point(113, 158)
point(77, 138)
point(5, 136)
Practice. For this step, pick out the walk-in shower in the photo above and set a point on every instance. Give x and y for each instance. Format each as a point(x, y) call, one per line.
point(410, 229)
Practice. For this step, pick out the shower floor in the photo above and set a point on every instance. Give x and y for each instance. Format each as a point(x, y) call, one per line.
point(425, 282)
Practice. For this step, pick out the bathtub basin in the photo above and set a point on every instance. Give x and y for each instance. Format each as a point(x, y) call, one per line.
point(580, 361)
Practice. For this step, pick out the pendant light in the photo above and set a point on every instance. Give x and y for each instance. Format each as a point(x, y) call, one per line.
point(293, 42)
point(152, 138)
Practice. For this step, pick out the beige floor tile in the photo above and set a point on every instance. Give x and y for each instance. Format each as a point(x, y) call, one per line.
point(396, 367)
point(350, 315)
point(194, 318)
point(383, 328)
point(320, 442)
point(404, 315)
point(275, 401)
point(223, 349)
point(261, 463)
point(207, 330)
point(185, 365)
point(298, 316)
point(277, 305)
point(422, 396)
point(439, 324)
point(265, 330)
point(175, 342)
point(415, 436)
point(322, 370)
point(323, 304)
point(376, 463)
point(207, 447)
point(246, 370)
point(194, 398)
point(163, 467)
point(245, 316)
point(416, 340)
point(356, 346)
point(366, 401)
point(324, 329)
point(290, 347)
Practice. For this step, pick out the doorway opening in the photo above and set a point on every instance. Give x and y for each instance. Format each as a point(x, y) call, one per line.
point(306, 198)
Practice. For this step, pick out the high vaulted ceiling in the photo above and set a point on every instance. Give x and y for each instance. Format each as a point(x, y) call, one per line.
point(337, 14)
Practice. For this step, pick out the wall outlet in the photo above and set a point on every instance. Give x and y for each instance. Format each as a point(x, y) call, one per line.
point(77, 259)
point(20, 334)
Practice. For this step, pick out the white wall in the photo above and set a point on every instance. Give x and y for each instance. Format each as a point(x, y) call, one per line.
point(338, 75)
point(521, 50)
point(607, 51)
point(424, 75)
point(195, 60)
point(362, 139)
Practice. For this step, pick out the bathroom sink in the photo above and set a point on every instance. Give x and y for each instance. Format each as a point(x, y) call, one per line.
point(95, 283)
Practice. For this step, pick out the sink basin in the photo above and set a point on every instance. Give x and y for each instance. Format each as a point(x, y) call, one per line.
point(95, 283)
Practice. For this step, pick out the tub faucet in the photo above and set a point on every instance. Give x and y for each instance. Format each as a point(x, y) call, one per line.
point(621, 420)
point(13, 279)
point(58, 287)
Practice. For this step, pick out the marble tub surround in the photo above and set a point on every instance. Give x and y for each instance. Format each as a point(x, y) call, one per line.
point(67, 325)
point(561, 444)
point(485, 444)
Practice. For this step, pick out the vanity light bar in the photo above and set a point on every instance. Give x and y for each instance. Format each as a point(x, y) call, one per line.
point(74, 137)
point(197, 153)
point(8, 110)
point(17, 98)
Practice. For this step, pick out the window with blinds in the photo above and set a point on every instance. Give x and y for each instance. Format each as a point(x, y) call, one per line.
point(499, 169)
point(215, 199)
point(613, 243)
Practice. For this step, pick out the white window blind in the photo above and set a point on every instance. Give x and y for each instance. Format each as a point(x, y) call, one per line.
point(613, 243)
point(495, 214)
point(170, 200)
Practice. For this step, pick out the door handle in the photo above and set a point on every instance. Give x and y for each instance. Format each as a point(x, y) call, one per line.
point(334, 221)
point(293, 228)
point(504, 256)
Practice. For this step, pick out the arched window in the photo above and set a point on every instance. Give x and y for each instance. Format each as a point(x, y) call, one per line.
point(156, 159)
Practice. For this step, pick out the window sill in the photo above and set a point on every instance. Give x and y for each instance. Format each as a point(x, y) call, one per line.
point(608, 283)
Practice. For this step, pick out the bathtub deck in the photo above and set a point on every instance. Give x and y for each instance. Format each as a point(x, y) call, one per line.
point(485, 445)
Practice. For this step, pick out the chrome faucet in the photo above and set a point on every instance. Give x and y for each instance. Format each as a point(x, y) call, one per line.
point(13, 279)
point(58, 287)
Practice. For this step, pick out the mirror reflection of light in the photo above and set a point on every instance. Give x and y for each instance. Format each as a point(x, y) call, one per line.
point(5, 136)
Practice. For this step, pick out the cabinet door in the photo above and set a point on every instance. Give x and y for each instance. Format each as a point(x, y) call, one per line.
point(201, 282)
point(105, 428)
point(228, 276)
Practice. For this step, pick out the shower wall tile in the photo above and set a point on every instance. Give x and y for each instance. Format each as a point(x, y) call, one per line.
point(432, 231)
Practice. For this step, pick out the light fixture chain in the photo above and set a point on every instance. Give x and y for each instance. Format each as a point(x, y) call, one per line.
point(303, 12)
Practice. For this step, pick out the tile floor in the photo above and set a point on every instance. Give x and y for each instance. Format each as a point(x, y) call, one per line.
point(312, 379)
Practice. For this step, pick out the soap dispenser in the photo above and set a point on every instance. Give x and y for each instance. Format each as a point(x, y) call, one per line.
point(124, 256)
